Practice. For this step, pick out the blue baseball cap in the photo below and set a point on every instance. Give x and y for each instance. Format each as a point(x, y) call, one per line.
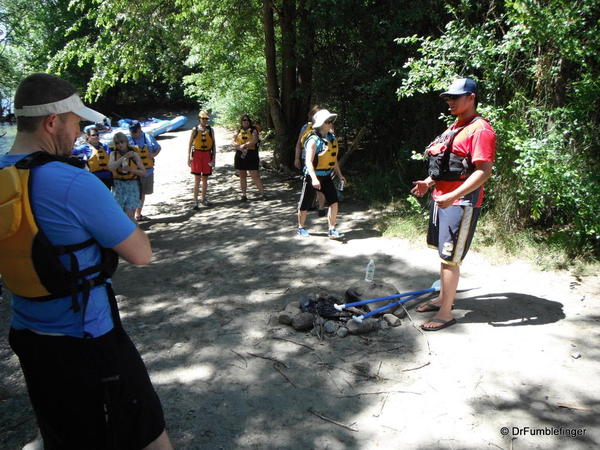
point(461, 86)
point(134, 126)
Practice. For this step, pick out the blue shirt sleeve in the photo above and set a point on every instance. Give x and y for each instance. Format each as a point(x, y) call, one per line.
point(82, 150)
point(153, 145)
point(94, 207)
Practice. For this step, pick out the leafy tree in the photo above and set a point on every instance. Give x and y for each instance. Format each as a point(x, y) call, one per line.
point(538, 62)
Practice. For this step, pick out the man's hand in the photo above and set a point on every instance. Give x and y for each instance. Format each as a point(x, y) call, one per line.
point(189, 162)
point(443, 201)
point(297, 163)
point(316, 184)
point(420, 188)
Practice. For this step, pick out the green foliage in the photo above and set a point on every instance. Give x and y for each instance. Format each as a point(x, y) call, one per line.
point(226, 58)
point(539, 66)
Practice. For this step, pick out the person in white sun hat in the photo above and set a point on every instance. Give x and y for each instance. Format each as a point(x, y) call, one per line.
point(60, 237)
point(321, 161)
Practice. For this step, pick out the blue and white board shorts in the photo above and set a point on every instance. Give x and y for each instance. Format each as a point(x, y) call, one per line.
point(451, 231)
point(127, 194)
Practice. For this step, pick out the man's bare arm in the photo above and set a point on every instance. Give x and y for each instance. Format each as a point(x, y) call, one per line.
point(136, 248)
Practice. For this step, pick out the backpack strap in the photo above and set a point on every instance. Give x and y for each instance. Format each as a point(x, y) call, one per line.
point(40, 158)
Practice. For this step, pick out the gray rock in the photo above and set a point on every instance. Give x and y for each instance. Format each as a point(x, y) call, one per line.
point(342, 332)
point(363, 290)
point(330, 326)
point(365, 327)
point(392, 320)
point(303, 321)
point(285, 317)
point(400, 313)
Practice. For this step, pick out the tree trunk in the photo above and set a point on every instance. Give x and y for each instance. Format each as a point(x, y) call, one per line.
point(272, 84)
point(305, 57)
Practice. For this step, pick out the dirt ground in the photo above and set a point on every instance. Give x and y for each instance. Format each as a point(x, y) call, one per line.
point(524, 354)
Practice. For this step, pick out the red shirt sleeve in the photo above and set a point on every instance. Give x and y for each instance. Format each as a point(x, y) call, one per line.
point(483, 145)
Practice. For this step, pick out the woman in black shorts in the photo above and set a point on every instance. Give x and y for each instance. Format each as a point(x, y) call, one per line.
point(246, 156)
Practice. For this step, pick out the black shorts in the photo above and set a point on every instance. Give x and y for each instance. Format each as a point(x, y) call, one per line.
point(451, 231)
point(308, 192)
point(249, 162)
point(72, 381)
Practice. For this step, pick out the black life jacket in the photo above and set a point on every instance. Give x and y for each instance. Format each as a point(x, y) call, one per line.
point(443, 163)
point(29, 262)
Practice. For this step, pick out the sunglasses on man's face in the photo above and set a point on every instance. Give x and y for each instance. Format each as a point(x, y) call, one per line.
point(329, 122)
point(92, 135)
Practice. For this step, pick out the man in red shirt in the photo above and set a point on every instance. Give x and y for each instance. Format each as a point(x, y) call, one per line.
point(460, 161)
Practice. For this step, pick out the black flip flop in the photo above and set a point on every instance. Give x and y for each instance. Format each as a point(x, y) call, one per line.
point(443, 324)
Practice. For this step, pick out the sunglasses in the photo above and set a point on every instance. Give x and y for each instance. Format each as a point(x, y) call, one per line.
point(204, 118)
point(328, 122)
point(92, 135)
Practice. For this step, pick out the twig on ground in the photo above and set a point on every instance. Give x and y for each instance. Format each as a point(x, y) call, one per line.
point(412, 322)
point(241, 356)
point(327, 419)
point(382, 405)
point(332, 379)
point(378, 393)
point(416, 368)
point(319, 328)
point(283, 374)
point(368, 376)
point(293, 342)
point(390, 428)
point(577, 407)
point(269, 358)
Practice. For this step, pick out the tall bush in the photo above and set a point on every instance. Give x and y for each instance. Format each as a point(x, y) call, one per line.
point(538, 63)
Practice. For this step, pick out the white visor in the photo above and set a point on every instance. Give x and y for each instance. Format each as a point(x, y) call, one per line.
point(70, 104)
point(321, 116)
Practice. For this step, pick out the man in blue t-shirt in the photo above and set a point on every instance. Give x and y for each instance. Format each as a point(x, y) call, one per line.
point(95, 154)
point(87, 383)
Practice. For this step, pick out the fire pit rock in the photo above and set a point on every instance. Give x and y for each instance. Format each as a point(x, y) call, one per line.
point(363, 290)
point(303, 321)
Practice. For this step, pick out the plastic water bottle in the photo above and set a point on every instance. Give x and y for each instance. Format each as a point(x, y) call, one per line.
point(341, 188)
point(370, 272)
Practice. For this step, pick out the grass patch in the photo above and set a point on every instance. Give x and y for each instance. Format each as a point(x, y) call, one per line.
point(408, 219)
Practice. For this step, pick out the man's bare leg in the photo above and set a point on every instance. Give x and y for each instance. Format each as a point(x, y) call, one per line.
point(449, 276)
